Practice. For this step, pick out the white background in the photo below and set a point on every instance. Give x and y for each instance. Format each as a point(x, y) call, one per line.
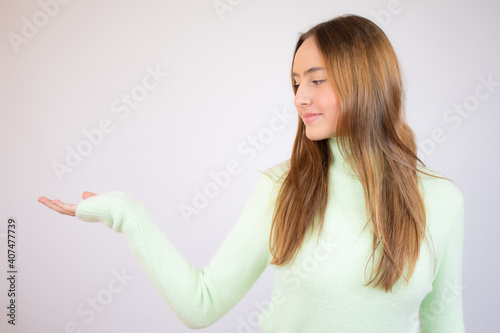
point(227, 75)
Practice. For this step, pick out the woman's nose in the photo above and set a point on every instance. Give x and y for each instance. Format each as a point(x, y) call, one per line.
point(301, 98)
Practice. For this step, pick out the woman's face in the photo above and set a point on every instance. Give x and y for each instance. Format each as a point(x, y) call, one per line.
point(315, 100)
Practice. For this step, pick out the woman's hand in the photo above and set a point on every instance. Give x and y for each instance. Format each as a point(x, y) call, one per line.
point(61, 207)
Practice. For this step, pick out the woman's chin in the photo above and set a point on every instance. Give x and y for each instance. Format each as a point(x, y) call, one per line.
point(316, 136)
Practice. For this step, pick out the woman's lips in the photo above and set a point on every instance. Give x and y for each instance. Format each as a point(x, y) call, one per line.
point(310, 117)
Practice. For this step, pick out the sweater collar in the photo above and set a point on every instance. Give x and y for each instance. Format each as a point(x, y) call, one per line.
point(339, 164)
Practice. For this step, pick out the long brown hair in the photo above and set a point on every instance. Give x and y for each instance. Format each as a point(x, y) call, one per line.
point(364, 70)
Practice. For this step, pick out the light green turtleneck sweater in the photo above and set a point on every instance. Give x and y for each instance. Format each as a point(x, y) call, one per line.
point(324, 290)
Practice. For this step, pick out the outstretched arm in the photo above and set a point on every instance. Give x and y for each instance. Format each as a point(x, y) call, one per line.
point(199, 297)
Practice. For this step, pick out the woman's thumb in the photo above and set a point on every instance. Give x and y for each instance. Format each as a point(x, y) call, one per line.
point(87, 194)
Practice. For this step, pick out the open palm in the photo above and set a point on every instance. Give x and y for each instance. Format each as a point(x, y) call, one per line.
point(61, 207)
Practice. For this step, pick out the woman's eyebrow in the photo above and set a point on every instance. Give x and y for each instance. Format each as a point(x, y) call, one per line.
point(310, 70)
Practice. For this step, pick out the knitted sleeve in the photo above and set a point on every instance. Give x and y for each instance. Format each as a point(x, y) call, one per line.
point(199, 297)
point(441, 310)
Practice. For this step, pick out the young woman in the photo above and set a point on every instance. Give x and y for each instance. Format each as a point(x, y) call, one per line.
point(343, 221)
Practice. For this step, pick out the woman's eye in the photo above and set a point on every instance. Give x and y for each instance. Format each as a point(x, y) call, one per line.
point(315, 82)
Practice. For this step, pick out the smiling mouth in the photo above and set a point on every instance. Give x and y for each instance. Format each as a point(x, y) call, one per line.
point(310, 117)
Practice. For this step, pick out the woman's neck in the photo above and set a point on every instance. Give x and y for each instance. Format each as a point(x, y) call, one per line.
point(339, 163)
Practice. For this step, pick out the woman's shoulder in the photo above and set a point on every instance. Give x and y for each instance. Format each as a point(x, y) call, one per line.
point(278, 172)
point(443, 190)
point(274, 176)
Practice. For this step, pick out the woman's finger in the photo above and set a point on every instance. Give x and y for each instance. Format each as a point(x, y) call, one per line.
point(87, 194)
point(50, 204)
point(62, 207)
point(69, 208)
